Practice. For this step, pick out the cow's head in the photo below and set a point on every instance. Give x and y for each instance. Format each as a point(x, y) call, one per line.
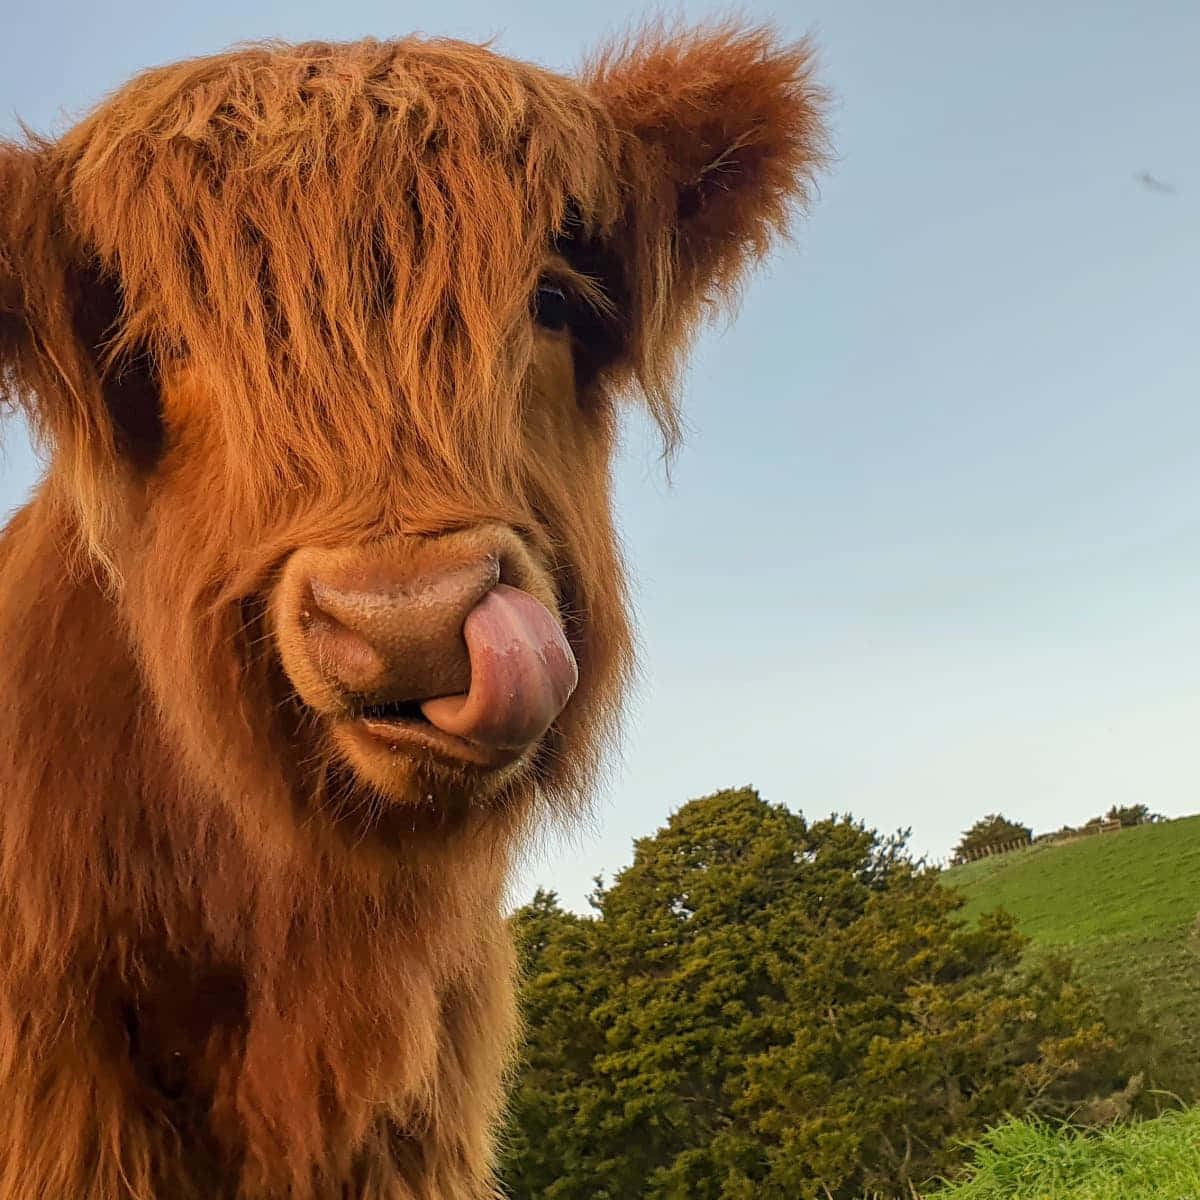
point(325, 342)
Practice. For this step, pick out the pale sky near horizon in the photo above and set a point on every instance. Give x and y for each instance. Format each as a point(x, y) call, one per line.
point(932, 547)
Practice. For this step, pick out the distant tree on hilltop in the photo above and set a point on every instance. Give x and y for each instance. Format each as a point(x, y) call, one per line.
point(1131, 814)
point(992, 830)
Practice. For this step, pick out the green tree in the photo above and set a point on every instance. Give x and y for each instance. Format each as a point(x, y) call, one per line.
point(766, 1007)
point(992, 830)
point(560, 987)
point(1130, 814)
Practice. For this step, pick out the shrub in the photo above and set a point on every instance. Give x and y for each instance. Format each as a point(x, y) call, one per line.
point(766, 1007)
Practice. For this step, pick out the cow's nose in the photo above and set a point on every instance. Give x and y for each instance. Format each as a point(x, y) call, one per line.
point(388, 635)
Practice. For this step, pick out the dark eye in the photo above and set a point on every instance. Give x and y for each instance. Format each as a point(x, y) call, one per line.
point(551, 309)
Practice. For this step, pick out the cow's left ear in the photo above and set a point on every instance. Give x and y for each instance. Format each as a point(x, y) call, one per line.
point(723, 131)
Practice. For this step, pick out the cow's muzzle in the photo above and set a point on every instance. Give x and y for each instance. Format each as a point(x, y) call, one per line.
point(448, 646)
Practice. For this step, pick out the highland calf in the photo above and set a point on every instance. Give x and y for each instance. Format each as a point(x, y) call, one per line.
point(319, 606)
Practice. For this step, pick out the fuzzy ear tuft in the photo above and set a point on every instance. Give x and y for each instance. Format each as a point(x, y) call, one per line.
point(723, 131)
point(730, 118)
point(54, 315)
point(37, 352)
point(19, 185)
point(40, 362)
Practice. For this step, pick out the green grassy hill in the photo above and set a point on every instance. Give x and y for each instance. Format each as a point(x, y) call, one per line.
point(1125, 907)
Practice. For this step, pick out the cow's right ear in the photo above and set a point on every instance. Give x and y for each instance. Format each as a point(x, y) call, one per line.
point(57, 311)
point(19, 181)
point(50, 292)
point(38, 353)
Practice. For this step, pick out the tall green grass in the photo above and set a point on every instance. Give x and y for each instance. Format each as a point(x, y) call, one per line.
point(1029, 1160)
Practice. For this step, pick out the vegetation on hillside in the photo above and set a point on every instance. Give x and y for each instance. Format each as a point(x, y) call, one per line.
point(1124, 907)
point(768, 1008)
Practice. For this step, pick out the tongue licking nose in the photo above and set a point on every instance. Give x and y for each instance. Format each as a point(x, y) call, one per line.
point(522, 674)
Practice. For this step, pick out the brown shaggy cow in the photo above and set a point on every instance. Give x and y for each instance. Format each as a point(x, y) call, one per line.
point(319, 606)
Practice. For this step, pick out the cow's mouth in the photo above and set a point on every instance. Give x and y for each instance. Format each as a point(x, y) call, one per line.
point(391, 711)
point(401, 728)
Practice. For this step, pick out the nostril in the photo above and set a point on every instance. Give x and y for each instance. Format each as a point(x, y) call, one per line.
point(507, 572)
point(342, 655)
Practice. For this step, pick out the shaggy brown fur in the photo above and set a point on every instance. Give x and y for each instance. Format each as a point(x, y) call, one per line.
point(280, 299)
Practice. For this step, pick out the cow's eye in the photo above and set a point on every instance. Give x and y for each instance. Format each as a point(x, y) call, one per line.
point(551, 308)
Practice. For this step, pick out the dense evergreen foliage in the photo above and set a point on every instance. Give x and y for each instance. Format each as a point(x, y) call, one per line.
point(771, 1008)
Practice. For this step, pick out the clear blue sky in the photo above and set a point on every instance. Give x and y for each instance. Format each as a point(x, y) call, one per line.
point(932, 548)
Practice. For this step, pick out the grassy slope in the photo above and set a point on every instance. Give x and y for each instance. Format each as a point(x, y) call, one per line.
point(1123, 905)
point(1156, 1160)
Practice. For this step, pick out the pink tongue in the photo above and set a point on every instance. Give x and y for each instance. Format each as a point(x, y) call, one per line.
point(522, 673)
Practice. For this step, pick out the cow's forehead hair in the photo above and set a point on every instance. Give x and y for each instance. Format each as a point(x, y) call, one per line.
point(362, 221)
